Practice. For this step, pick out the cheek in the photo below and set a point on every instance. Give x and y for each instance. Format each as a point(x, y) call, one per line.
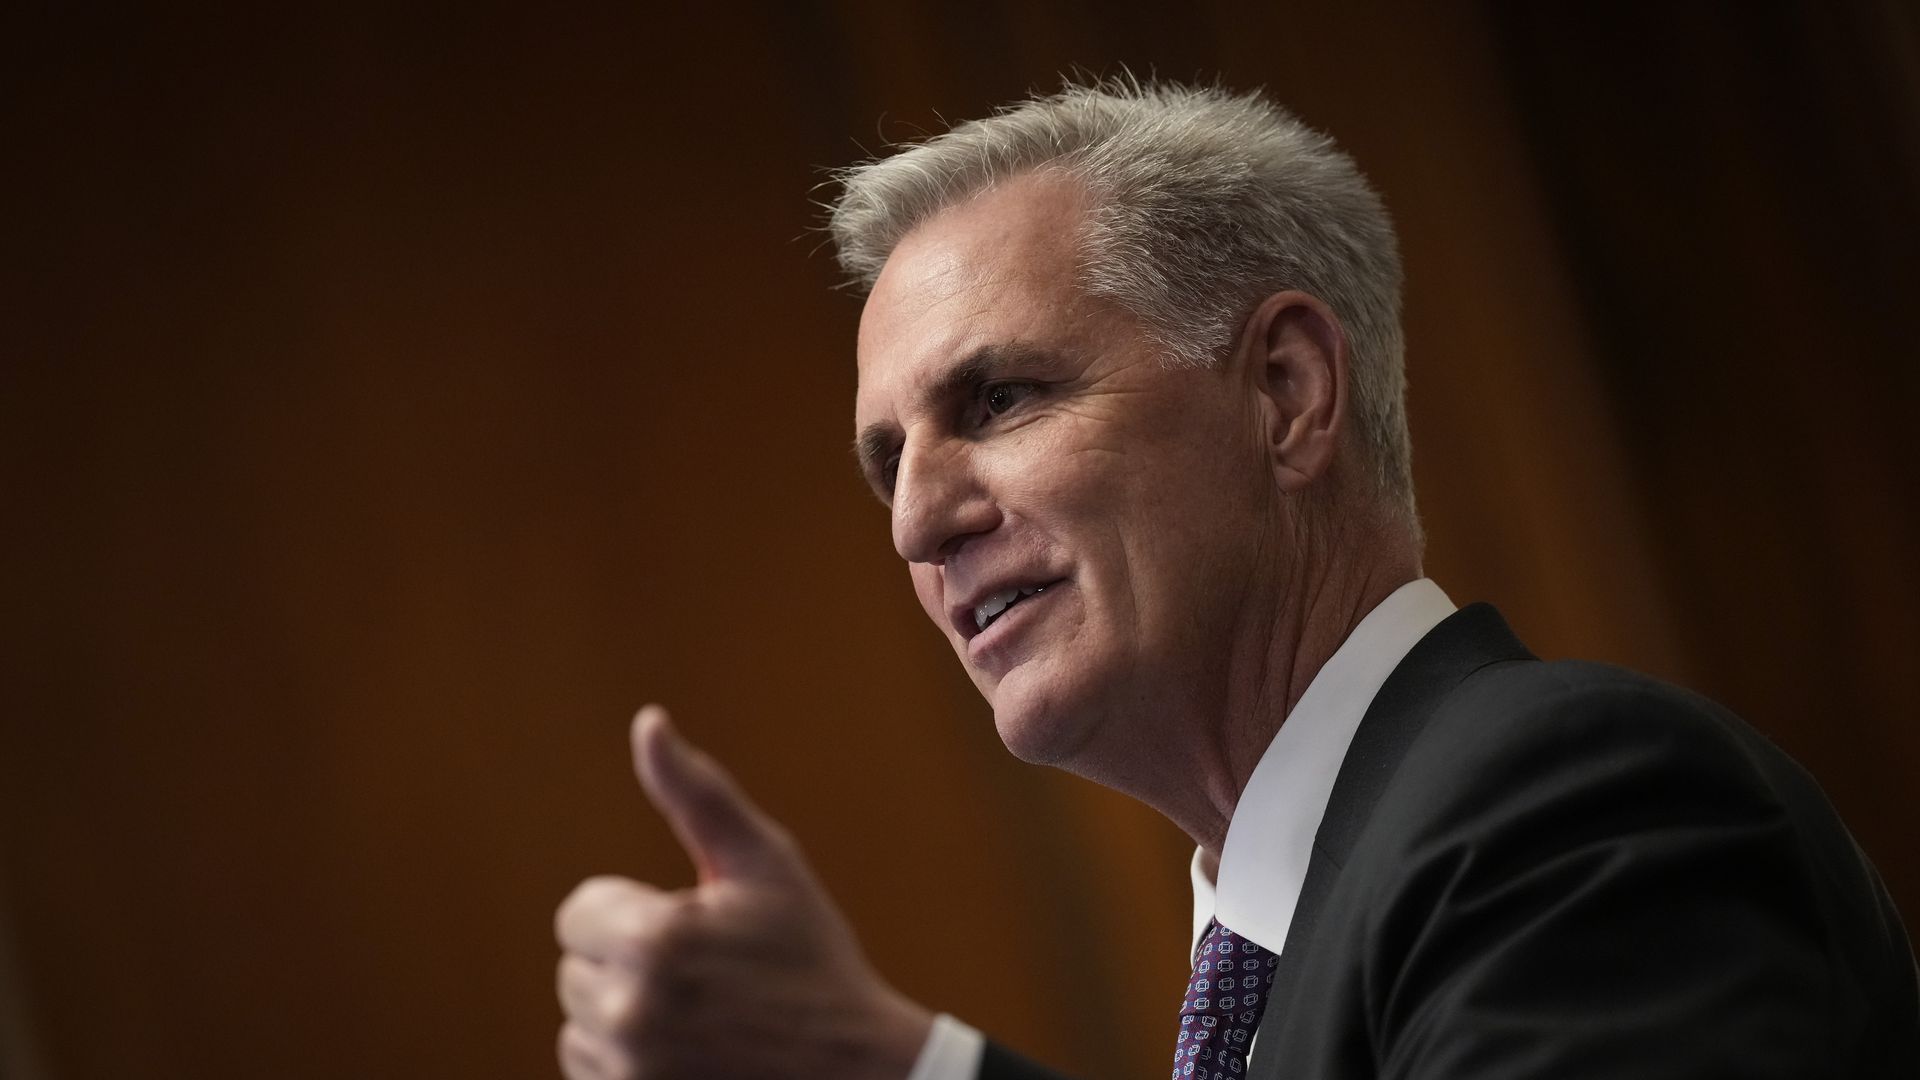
point(928, 587)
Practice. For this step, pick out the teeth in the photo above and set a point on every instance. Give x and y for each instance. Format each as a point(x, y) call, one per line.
point(991, 608)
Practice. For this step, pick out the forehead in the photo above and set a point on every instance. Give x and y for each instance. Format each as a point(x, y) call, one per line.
point(1000, 268)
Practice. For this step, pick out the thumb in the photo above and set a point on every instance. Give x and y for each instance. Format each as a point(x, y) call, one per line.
point(726, 835)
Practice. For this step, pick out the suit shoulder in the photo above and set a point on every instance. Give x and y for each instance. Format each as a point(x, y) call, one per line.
point(1581, 714)
point(1551, 687)
point(1591, 749)
point(1556, 818)
point(1611, 821)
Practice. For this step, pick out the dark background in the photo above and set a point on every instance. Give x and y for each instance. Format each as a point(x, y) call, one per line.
point(392, 399)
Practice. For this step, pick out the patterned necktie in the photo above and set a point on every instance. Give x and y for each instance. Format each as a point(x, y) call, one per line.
point(1231, 977)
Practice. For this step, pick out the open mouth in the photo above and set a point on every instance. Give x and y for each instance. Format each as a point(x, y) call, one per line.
point(990, 610)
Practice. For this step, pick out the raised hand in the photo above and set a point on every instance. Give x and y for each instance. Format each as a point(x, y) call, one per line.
point(752, 972)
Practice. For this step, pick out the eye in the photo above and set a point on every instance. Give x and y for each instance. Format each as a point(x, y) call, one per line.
point(1000, 397)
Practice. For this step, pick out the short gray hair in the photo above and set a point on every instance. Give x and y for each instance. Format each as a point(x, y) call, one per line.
point(1204, 202)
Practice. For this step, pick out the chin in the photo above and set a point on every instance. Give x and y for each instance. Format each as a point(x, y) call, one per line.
point(1025, 740)
point(1037, 726)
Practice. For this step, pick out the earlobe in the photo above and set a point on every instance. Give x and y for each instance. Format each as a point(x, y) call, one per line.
point(1299, 356)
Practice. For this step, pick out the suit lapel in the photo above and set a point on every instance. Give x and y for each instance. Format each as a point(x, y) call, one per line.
point(1465, 642)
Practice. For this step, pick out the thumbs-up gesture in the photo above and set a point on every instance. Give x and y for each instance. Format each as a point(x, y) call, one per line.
point(750, 973)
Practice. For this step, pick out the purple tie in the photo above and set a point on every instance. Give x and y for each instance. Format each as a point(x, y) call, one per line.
point(1231, 977)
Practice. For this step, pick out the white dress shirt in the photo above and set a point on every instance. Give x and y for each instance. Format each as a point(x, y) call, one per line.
point(1263, 861)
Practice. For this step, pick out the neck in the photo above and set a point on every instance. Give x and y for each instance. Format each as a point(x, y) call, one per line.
point(1189, 753)
point(1285, 643)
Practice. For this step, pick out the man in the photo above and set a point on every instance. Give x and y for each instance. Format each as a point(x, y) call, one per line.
point(1131, 387)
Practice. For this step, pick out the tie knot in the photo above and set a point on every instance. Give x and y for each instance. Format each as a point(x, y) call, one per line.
point(1225, 997)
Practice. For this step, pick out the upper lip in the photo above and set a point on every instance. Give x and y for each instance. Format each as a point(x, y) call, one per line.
point(961, 614)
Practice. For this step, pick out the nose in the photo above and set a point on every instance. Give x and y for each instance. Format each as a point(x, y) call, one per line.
point(939, 502)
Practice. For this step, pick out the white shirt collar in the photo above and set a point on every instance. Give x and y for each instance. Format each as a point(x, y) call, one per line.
point(1263, 861)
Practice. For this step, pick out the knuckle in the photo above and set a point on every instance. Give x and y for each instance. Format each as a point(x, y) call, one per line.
point(620, 1005)
point(580, 1056)
point(585, 897)
point(577, 896)
point(604, 888)
point(673, 936)
point(638, 937)
point(590, 1056)
point(576, 1003)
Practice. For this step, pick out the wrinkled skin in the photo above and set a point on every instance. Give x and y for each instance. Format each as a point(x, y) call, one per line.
point(1021, 434)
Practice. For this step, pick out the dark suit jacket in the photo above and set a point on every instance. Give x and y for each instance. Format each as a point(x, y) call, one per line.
point(1567, 870)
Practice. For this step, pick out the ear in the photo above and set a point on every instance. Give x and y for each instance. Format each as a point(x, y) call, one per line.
point(1297, 355)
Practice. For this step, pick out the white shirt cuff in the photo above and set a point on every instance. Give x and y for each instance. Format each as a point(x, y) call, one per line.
point(952, 1052)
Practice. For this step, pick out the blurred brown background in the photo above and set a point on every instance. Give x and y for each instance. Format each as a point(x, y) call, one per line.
point(393, 399)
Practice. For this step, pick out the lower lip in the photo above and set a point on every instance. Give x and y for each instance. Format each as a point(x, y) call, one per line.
point(1012, 621)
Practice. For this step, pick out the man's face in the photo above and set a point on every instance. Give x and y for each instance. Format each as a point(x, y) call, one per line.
point(1102, 515)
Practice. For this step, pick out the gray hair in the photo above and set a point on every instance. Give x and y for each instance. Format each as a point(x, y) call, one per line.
point(1204, 203)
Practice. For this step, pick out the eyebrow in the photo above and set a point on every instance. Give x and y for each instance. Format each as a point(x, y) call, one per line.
point(978, 367)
